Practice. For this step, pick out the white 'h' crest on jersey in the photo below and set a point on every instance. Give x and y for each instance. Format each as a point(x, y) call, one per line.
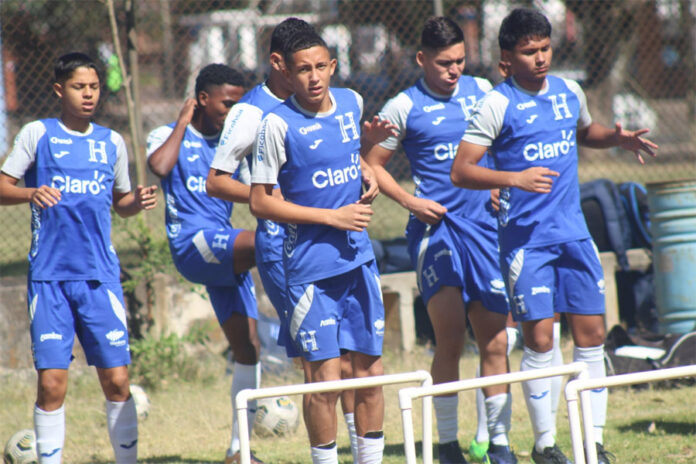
point(350, 125)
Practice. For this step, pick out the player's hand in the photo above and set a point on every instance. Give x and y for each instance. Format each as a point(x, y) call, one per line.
point(428, 211)
point(146, 197)
point(370, 182)
point(495, 199)
point(355, 217)
point(186, 113)
point(45, 197)
point(537, 179)
point(377, 131)
point(632, 140)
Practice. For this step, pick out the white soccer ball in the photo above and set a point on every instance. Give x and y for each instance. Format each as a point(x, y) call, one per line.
point(276, 417)
point(21, 448)
point(142, 402)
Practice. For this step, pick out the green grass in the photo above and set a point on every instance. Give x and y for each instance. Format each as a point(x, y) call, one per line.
point(189, 421)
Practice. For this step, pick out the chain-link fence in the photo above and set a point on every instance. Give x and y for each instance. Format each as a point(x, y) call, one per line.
point(634, 58)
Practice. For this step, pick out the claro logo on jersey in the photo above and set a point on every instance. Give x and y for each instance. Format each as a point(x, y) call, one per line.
point(445, 151)
point(84, 186)
point(323, 178)
point(195, 184)
point(540, 150)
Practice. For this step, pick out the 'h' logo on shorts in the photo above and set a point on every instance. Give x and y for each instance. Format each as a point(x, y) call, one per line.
point(309, 340)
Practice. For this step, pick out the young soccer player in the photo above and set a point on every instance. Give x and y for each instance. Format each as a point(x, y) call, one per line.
point(74, 171)
point(310, 146)
point(236, 142)
point(452, 233)
point(205, 247)
point(531, 124)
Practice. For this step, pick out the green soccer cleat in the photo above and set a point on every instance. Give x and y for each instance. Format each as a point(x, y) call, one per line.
point(477, 451)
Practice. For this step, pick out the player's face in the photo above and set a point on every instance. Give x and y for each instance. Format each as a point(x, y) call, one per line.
point(310, 73)
point(216, 103)
point(79, 94)
point(442, 68)
point(530, 61)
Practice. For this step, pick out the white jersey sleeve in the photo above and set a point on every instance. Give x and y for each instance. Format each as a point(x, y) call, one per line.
point(487, 121)
point(584, 119)
point(483, 84)
point(359, 99)
point(244, 172)
point(23, 152)
point(237, 136)
point(157, 137)
point(121, 179)
point(396, 111)
point(269, 150)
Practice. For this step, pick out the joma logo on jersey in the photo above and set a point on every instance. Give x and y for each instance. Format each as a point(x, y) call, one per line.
point(307, 129)
point(194, 144)
point(195, 184)
point(72, 185)
point(431, 108)
point(445, 151)
point(331, 177)
point(541, 150)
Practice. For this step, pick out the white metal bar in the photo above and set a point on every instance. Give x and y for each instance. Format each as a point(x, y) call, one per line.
point(243, 397)
point(407, 395)
point(584, 385)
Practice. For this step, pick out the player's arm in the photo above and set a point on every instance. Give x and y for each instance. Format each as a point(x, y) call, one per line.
point(128, 204)
point(264, 204)
point(598, 136)
point(11, 194)
point(163, 159)
point(236, 141)
point(374, 132)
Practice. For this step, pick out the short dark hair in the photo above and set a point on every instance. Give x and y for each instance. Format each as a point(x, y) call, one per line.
point(440, 32)
point(218, 74)
point(285, 30)
point(522, 23)
point(65, 65)
point(302, 41)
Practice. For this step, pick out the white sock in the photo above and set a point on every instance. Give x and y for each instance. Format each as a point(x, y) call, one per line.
point(482, 421)
point(245, 376)
point(556, 382)
point(446, 415)
point(325, 455)
point(594, 358)
point(537, 395)
point(499, 414)
point(370, 450)
point(122, 422)
point(49, 427)
point(352, 434)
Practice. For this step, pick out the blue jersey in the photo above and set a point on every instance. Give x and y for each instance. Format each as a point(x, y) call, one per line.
point(315, 158)
point(236, 140)
point(524, 130)
point(71, 240)
point(430, 128)
point(188, 207)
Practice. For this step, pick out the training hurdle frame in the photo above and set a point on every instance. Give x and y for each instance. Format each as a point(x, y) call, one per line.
point(577, 387)
point(243, 397)
point(407, 395)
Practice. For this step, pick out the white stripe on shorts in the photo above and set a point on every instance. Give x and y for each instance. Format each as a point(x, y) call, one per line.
point(425, 241)
point(515, 270)
point(301, 310)
point(204, 249)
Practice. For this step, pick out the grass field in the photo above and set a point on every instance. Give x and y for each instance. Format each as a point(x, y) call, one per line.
point(189, 422)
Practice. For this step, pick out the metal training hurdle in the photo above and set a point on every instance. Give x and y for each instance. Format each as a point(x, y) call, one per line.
point(243, 397)
point(407, 395)
point(584, 385)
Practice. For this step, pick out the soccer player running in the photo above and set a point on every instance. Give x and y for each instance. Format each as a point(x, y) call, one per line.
point(531, 124)
point(310, 146)
point(205, 247)
point(74, 172)
point(452, 233)
point(236, 142)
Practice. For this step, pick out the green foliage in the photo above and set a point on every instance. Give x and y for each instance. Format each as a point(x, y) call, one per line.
point(158, 360)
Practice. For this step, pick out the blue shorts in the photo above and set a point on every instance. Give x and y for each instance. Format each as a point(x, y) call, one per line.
point(560, 278)
point(272, 276)
point(91, 309)
point(238, 298)
point(343, 312)
point(207, 257)
point(457, 252)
